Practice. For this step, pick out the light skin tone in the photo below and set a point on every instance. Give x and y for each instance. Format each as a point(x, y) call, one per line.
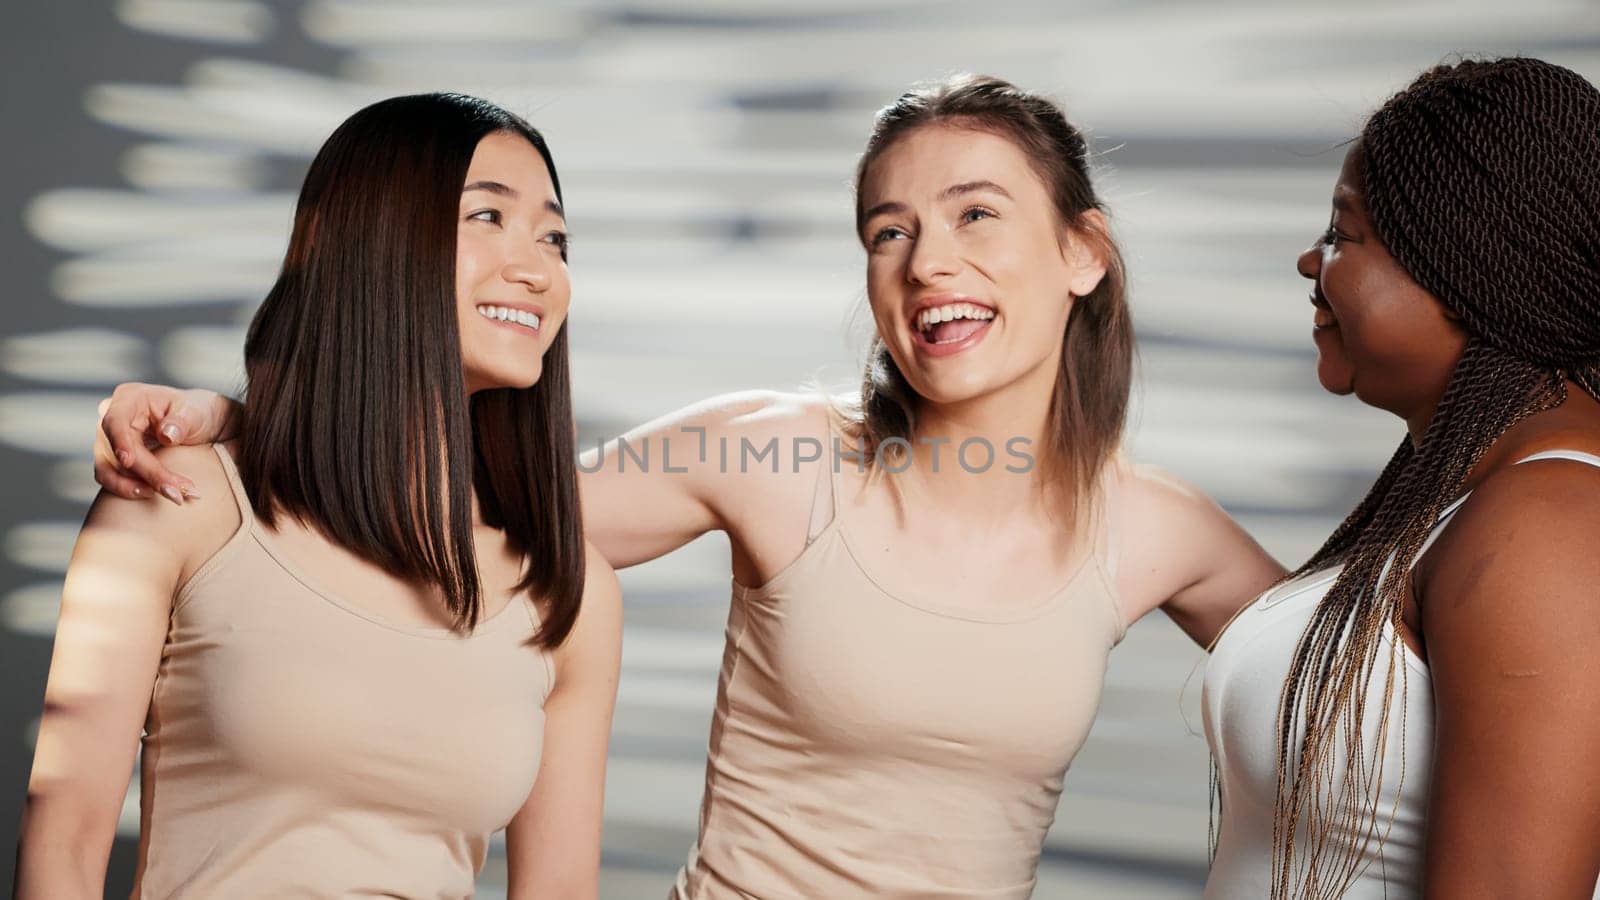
point(1503, 606)
point(131, 558)
point(1015, 255)
point(1178, 551)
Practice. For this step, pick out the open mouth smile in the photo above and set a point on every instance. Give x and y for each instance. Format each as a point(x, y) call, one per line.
point(947, 327)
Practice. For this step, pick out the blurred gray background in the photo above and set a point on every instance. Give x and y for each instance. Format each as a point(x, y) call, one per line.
point(153, 147)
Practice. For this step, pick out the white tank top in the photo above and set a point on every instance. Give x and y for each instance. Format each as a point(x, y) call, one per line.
point(1243, 682)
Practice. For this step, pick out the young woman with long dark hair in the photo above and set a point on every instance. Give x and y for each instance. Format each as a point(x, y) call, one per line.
point(377, 636)
point(1416, 712)
point(916, 641)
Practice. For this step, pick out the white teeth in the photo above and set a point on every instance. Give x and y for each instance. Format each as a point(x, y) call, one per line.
point(950, 312)
point(506, 314)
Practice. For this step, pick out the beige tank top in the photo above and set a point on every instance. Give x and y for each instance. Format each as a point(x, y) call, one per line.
point(871, 745)
point(297, 746)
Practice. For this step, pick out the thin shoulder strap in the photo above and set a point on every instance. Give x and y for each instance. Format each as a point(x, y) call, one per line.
point(825, 494)
point(1577, 456)
point(240, 497)
point(1110, 536)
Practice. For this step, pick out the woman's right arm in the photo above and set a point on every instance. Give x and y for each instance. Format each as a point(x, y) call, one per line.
point(665, 483)
point(115, 606)
point(644, 494)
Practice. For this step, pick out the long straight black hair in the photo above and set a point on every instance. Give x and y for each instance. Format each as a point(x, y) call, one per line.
point(356, 417)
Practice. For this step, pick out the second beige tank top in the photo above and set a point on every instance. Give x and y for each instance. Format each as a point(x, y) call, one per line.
point(870, 745)
point(296, 746)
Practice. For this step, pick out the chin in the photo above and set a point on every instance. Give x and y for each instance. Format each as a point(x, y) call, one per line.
point(1336, 376)
point(515, 381)
point(950, 389)
point(1341, 388)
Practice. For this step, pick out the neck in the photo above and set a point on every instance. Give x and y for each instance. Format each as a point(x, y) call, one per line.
point(1417, 424)
point(1003, 432)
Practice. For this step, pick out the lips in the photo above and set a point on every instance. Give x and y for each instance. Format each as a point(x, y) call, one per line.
point(949, 323)
point(1323, 317)
point(950, 338)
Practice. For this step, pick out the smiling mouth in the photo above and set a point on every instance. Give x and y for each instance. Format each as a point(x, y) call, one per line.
point(510, 316)
point(1323, 318)
point(951, 323)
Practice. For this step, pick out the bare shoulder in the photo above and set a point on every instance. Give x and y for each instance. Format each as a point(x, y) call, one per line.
point(1508, 591)
point(1535, 523)
point(1182, 552)
point(705, 435)
point(765, 414)
point(183, 537)
point(1152, 496)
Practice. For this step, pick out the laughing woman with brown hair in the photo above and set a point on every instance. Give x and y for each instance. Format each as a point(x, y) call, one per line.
point(376, 636)
point(915, 650)
point(1416, 711)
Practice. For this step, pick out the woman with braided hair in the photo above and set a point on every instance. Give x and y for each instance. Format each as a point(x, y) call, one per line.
point(1415, 712)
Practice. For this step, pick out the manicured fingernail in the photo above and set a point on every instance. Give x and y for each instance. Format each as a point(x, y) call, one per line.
point(190, 492)
point(170, 432)
point(140, 492)
point(172, 493)
point(125, 458)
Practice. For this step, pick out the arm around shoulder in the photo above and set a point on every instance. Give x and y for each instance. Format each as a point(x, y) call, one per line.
point(553, 843)
point(675, 478)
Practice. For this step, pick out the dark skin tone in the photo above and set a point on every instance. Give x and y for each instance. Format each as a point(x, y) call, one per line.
point(1505, 607)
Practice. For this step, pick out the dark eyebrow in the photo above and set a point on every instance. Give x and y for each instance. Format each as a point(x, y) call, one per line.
point(954, 190)
point(495, 187)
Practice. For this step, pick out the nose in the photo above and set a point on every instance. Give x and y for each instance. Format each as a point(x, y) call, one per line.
point(528, 269)
point(933, 257)
point(1309, 263)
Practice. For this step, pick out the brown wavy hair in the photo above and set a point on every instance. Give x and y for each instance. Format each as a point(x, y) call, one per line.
point(1090, 403)
point(1482, 179)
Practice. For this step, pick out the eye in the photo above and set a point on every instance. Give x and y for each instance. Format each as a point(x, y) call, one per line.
point(560, 240)
point(492, 216)
point(976, 213)
point(890, 233)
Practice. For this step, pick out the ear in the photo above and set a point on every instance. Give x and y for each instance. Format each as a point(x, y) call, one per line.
point(1083, 249)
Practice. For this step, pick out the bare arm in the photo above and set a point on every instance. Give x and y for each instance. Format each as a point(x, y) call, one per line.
point(645, 494)
point(1183, 554)
point(1510, 613)
point(636, 510)
point(128, 561)
point(553, 843)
